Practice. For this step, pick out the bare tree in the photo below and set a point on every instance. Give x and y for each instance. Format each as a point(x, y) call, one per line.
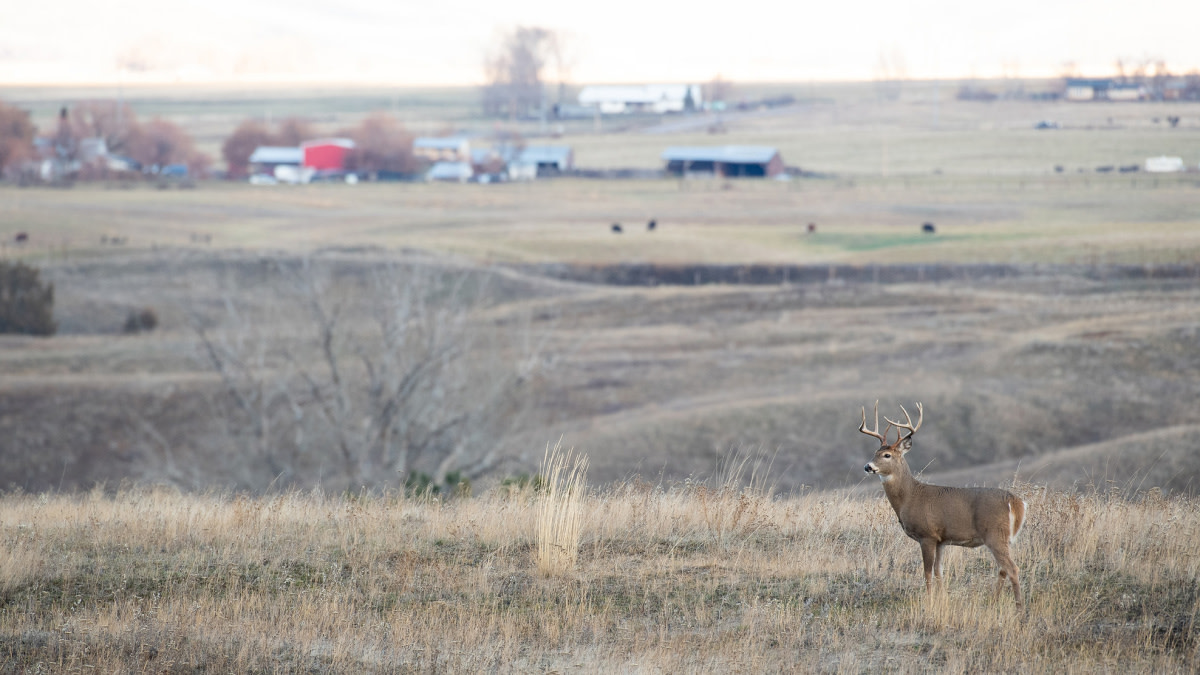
point(718, 89)
point(110, 120)
point(242, 143)
point(381, 144)
point(515, 71)
point(387, 375)
point(160, 142)
point(16, 136)
point(890, 73)
point(293, 131)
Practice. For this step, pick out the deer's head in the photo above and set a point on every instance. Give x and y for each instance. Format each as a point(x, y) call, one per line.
point(889, 458)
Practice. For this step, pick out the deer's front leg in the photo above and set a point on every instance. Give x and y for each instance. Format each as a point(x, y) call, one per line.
point(929, 550)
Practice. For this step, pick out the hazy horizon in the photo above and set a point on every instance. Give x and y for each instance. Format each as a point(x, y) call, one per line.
point(375, 42)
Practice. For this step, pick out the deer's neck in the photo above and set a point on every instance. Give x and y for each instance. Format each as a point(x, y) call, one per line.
point(898, 487)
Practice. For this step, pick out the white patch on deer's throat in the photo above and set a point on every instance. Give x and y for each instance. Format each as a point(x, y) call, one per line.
point(883, 478)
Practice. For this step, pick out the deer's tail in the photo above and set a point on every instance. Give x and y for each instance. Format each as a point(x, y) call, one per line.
point(1016, 516)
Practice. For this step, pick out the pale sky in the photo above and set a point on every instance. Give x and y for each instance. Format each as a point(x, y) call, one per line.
point(444, 41)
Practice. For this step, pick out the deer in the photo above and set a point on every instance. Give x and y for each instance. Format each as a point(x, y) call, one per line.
point(936, 516)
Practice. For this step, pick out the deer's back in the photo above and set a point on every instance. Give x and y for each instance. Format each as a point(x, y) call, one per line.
point(961, 516)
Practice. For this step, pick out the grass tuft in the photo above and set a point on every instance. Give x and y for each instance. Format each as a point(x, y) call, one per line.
point(560, 510)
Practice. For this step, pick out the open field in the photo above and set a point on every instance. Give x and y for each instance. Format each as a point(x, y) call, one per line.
point(1070, 371)
point(1055, 376)
point(1092, 219)
point(676, 578)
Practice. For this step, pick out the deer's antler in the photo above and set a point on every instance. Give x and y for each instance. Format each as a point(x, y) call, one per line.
point(875, 433)
point(912, 429)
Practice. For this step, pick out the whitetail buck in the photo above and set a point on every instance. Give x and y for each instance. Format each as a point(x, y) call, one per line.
point(935, 515)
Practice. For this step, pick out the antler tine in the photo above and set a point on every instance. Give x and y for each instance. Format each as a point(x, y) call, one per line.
point(875, 434)
point(909, 423)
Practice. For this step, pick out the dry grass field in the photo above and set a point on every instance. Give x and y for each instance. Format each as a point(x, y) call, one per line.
point(679, 578)
point(1055, 377)
point(1050, 219)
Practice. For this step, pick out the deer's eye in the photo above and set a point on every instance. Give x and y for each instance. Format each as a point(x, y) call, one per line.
point(887, 455)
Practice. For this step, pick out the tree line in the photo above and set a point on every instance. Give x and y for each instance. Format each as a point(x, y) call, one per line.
point(86, 135)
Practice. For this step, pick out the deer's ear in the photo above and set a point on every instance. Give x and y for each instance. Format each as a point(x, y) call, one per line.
point(904, 446)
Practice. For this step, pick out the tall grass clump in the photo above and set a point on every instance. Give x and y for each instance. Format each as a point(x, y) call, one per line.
point(560, 510)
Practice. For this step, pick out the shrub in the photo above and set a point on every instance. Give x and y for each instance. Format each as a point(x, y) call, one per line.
point(420, 484)
point(26, 304)
point(143, 320)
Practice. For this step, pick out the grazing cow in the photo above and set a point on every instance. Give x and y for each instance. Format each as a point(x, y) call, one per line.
point(21, 237)
point(616, 228)
point(812, 228)
point(651, 225)
point(928, 228)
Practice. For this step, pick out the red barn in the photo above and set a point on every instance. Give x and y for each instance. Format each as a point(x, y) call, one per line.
point(326, 154)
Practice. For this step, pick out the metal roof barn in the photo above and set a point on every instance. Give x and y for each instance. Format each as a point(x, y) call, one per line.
point(274, 154)
point(724, 160)
point(326, 154)
point(548, 158)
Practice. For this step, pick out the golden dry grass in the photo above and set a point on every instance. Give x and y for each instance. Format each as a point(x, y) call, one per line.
point(560, 510)
point(155, 580)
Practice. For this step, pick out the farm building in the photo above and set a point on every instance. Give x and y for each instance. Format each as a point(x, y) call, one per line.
point(1126, 92)
point(326, 154)
point(1103, 89)
point(724, 160)
point(265, 158)
point(455, 172)
point(1164, 164)
point(642, 98)
point(546, 160)
point(1082, 89)
point(438, 149)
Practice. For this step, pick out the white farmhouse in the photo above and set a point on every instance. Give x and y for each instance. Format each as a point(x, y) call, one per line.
point(615, 99)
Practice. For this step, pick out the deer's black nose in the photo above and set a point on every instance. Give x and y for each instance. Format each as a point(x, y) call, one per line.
point(868, 469)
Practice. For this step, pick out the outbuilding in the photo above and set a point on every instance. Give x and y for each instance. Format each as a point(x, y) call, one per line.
point(443, 149)
point(547, 160)
point(326, 154)
point(265, 158)
point(454, 172)
point(753, 161)
point(642, 98)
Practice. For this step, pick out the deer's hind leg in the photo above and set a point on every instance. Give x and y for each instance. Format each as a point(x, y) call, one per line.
point(1008, 571)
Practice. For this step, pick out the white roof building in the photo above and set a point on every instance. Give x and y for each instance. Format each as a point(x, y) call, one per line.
point(274, 154)
point(631, 98)
point(459, 172)
point(1164, 164)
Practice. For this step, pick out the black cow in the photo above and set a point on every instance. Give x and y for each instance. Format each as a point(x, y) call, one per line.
point(21, 237)
point(812, 228)
point(928, 228)
point(616, 228)
point(651, 225)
